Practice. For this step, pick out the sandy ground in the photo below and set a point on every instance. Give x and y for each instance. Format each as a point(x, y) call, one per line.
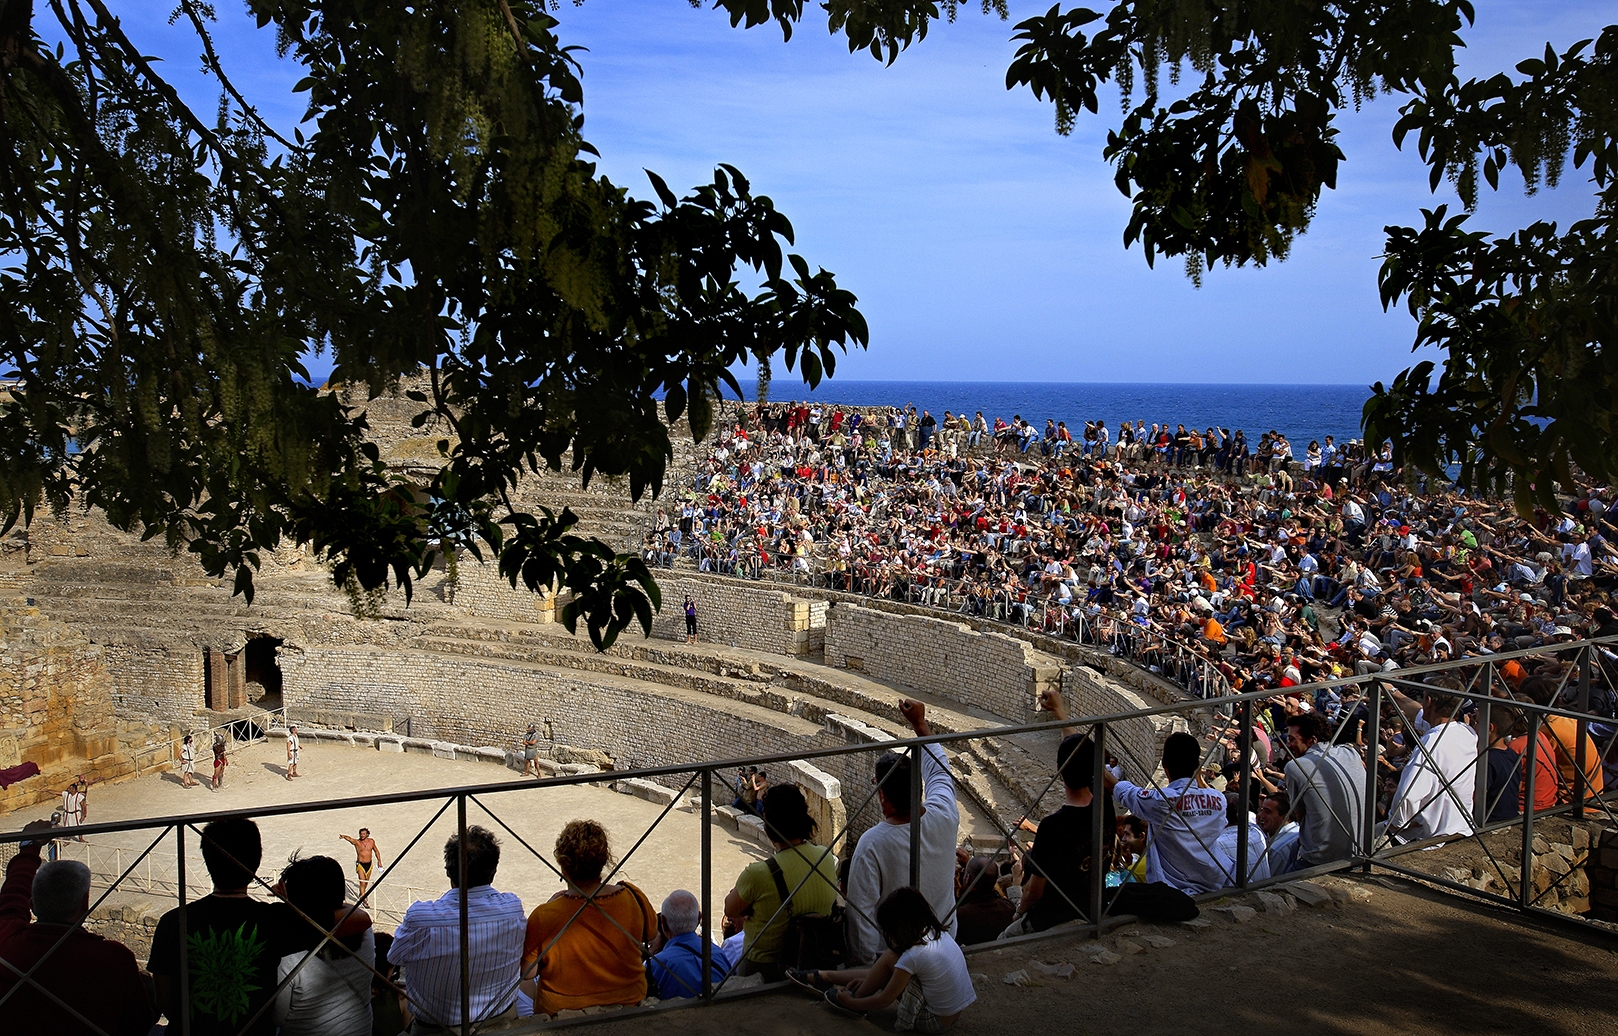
point(670, 858)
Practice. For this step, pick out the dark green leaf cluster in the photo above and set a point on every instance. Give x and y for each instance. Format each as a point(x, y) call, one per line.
point(437, 211)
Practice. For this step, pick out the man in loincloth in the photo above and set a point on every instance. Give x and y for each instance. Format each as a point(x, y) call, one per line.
point(367, 857)
point(219, 760)
point(292, 750)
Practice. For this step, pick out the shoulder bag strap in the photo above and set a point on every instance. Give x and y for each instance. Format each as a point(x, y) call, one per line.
point(780, 884)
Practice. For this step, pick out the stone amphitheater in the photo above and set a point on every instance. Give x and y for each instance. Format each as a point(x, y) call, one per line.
point(111, 649)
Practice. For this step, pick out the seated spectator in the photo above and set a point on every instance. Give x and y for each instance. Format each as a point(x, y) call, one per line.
point(1564, 735)
point(1258, 863)
point(1435, 790)
point(800, 872)
point(1058, 872)
point(881, 860)
point(97, 979)
point(675, 970)
point(329, 992)
point(1326, 786)
point(236, 942)
point(982, 912)
point(922, 969)
point(586, 947)
point(1186, 821)
point(1280, 831)
point(427, 943)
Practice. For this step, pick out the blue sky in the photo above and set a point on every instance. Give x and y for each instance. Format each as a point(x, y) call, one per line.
point(982, 245)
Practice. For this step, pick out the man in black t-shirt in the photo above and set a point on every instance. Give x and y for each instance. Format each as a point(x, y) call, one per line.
point(233, 942)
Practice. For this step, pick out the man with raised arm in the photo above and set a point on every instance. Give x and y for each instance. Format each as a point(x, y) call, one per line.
point(367, 857)
point(881, 860)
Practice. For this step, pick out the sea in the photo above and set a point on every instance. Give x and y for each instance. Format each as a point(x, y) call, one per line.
point(1300, 412)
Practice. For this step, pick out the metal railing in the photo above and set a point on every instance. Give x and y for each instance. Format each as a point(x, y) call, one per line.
point(1477, 680)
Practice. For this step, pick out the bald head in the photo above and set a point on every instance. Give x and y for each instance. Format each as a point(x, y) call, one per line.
point(682, 912)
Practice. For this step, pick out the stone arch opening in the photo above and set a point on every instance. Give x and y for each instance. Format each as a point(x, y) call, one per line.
point(262, 671)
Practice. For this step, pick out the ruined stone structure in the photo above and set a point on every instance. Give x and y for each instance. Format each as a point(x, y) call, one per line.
point(127, 645)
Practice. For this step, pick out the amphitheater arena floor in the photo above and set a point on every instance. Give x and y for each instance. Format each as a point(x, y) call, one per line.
point(670, 858)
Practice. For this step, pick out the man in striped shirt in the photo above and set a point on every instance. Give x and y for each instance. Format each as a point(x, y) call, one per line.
point(427, 943)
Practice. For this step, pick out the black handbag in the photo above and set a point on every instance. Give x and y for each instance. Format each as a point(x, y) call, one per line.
point(811, 941)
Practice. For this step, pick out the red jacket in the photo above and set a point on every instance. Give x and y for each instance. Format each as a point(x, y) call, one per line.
point(97, 977)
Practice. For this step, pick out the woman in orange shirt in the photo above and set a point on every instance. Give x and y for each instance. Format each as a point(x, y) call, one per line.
point(588, 945)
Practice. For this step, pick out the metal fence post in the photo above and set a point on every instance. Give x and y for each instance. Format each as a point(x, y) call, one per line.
point(707, 885)
point(1098, 839)
point(1525, 892)
point(1580, 785)
point(1480, 785)
point(1373, 758)
point(460, 885)
point(185, 955)
point(1242, 836)
point(915, 817)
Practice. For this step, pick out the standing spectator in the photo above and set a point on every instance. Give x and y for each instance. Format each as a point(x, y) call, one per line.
point(800, 874)
point(219, 760)
point(675, 970)
point(881, 861)
point(530, 751)
point(114, 999)
point(690, 620)
point(587, 946)
point(427, 943)
point(1434, 794)
point(234, 942)
point(1186, 820)
point(1326, 787)
point(188, 763)
point(292, 750)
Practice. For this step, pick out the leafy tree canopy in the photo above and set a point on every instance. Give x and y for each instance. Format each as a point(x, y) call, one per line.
point(165, 269)
point(1226, 161)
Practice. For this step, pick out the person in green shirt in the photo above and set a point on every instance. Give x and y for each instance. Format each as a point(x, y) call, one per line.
point(807, 871)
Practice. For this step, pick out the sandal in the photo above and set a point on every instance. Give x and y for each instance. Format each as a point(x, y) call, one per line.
point(808, 978)
point(831, 999)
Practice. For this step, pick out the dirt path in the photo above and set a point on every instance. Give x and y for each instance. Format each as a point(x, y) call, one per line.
point(1405, 961)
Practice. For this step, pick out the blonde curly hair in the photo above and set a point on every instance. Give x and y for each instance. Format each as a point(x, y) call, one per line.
point(582, 851)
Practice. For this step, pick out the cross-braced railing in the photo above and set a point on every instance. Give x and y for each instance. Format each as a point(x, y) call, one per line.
point(1480, 683)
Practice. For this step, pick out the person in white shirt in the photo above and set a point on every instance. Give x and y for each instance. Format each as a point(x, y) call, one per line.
point(921, 967)
point(292, 751)
point(1229, 845)
point(881, 861)
point(1186, 821)
point(427, 943)
point(329, 994)
point(1434, 795)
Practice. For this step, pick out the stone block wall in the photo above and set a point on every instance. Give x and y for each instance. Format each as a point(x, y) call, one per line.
point(482, 590)
point(1138, 743)
point(738, 614)
point(989, 671)
point(1601, 873)
point(164, 684)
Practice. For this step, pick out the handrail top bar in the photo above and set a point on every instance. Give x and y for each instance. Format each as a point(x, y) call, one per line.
point(569, 780)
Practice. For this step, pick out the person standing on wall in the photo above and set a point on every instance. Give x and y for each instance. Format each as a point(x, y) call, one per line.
point(219, 760)
point(292, 750)
point(188, 763)
point(530, 752)
point(690, 620)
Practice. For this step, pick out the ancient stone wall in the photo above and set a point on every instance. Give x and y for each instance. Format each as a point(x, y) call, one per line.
point(737, 614)
point(1138, 743)
point(479, 588)
point(160, 683)
point(985, 670)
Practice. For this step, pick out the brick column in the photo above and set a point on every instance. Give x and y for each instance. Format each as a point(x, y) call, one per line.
point(217, 680)
point(236, 693)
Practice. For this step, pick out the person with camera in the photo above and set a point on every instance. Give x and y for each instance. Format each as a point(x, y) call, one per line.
point(771, 897)
point(60, 955)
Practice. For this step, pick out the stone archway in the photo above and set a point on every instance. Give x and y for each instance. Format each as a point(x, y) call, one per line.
point(262, 671)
